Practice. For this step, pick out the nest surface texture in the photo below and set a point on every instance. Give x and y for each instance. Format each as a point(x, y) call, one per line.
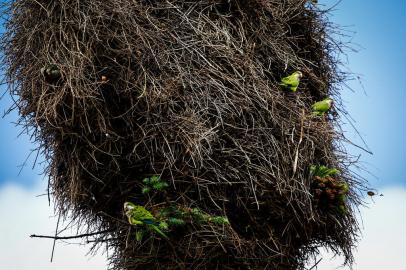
point(188, 91)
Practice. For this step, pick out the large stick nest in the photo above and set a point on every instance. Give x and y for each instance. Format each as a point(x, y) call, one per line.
point(188, 90)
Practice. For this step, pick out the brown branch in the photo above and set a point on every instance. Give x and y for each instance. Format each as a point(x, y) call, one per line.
point(68, 237)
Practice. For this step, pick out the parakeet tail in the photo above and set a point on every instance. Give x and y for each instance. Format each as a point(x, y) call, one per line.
point(156, 229)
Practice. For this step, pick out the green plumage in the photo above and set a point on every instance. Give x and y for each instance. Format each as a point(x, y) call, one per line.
point(321, 107)
point(138, 215)
point(292, 81)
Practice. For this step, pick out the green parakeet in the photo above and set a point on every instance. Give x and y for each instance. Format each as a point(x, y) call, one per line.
point(292, 81)
point(51, 73)
point(138, 215)
point(321, 107)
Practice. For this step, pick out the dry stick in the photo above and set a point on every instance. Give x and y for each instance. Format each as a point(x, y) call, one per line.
point(315, 264)
point(56, 234)
point(298, 145)
point(69, 237)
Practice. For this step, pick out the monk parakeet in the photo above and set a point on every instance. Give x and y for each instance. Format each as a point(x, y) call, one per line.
point(321, 107)
point(291, 82)
point(138, 215)
point(51, 73)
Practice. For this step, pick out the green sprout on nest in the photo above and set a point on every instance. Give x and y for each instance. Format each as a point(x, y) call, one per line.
point(328, 192)
point(154, 183)
point(173, 221)
point(323, 171)
point(180, 216)
point(219, 220)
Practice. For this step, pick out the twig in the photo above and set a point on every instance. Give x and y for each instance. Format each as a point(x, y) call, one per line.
point(68, 237)
point(315, 264)
point(56, 234)
point(298, 145)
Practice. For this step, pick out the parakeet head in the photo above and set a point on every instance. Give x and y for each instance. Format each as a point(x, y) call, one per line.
point(298, 74)
point(128, 208)
point(329, 101)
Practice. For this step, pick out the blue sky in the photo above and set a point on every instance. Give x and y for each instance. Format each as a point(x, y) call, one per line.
point(14, 150)
point(378, 31)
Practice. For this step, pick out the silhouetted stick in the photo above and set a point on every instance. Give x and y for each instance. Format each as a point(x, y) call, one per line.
point(316, 264)
point(68, 237)
point(56, 234)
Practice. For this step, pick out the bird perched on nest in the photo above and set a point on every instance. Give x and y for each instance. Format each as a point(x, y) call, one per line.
point(292, 81)
point(51, 73)
point(138, 215)
point(321, 107)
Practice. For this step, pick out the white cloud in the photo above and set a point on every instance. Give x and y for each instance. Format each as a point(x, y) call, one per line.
point(22, 213)
point(383, 235)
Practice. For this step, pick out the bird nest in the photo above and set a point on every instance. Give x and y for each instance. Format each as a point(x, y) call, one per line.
point(117, 92)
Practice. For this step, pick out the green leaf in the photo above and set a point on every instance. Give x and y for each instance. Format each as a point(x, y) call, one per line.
point(146, 190)
point(163, 225)
point(176, 221)
point(146, 181)
point(155, 179)
point(160, 186)
point(323, 171)
point(139, 235)
point(219, 220)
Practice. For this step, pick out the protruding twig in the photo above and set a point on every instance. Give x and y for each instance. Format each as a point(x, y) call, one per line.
point(315, 265)
point(300, 141)
point(69, 237)
point(56, 234)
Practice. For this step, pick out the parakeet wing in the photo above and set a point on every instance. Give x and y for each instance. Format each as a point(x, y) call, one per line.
point(321, 106)
point(150, 222)
point(140, 213)
point(290, 81)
